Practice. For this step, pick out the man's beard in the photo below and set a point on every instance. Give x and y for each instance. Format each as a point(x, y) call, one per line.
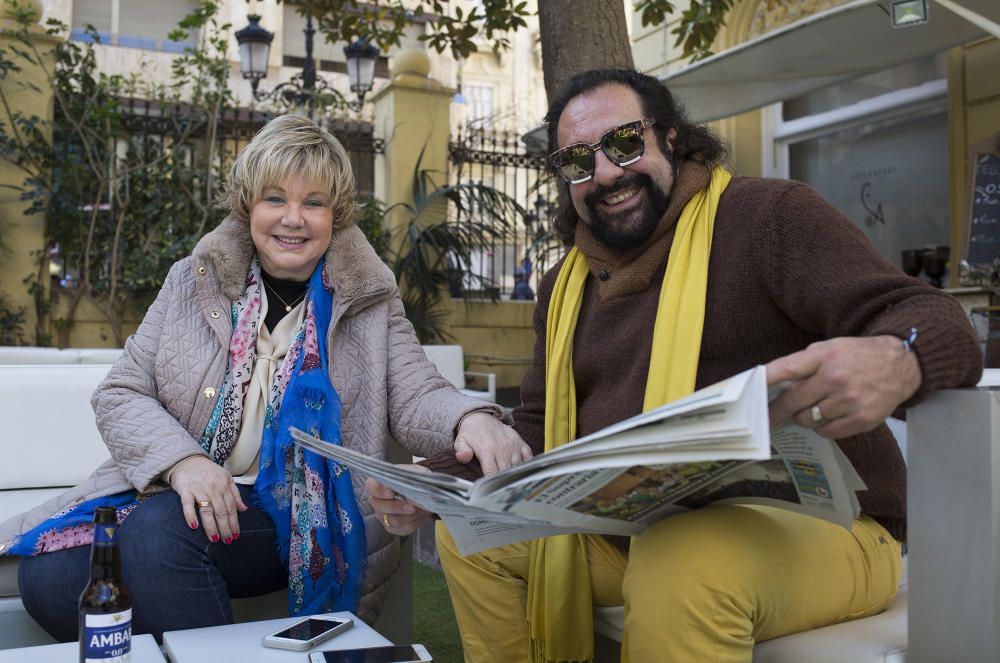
point(612, 231)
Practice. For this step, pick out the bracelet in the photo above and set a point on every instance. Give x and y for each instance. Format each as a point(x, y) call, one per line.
point(170, 472)
point(485, 410)
point(910, 340)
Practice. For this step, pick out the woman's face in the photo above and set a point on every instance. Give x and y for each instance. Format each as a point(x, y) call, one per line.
point(291, 226)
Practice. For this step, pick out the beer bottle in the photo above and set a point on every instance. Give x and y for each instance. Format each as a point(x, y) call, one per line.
point(105, 607)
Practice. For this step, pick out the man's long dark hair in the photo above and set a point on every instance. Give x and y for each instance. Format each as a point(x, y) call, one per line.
point(693, 141)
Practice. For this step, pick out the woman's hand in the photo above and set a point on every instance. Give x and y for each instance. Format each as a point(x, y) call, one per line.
point(208, 493)
point(396, 514)
point(495, 444)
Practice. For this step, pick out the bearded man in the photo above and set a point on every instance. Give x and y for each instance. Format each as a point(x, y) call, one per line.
point(678, 276)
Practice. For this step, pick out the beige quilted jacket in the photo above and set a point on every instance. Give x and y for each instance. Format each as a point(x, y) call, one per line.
point(156, 400)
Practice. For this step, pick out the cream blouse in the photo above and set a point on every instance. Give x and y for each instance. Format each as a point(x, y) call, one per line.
point(271, 350)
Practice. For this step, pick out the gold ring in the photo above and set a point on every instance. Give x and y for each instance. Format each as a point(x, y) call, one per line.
point(385, 520)
point(816, 413)
point(204, 504)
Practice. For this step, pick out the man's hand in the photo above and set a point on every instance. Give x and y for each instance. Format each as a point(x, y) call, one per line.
point(208, 493)
point(396, 514)
point(495, 444)
point(843, 386)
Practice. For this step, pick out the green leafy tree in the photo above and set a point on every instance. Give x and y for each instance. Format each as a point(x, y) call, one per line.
point(449, 27)
point(125, 188)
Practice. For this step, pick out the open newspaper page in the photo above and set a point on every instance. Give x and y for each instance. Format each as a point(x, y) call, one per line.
point(713, 445)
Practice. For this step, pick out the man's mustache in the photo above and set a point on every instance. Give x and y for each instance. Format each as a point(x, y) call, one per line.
point(637, 180)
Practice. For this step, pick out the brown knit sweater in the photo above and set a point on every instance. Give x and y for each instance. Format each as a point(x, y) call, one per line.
point(786, 270)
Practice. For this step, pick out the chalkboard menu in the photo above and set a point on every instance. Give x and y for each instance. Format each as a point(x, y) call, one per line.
point(984, 228)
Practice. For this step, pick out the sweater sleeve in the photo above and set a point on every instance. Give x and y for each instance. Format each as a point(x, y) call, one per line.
point(828, 278)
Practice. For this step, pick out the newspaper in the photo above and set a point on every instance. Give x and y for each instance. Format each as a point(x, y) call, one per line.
point(712, 446)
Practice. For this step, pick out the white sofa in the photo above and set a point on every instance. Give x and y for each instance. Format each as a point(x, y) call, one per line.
point(50, 442)
point(450, 362)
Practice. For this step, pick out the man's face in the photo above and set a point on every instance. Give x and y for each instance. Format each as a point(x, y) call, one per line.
point(622, 205)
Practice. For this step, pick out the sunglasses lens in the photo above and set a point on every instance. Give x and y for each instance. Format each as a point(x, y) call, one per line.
point(574, 162)
point(624, 144)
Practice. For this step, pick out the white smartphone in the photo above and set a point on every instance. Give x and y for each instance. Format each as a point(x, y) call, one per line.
point(388, 654)
point(307, 633)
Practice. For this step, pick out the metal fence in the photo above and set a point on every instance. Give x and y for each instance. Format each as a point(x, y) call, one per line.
point(154, 124)
point(169, 206)
point(520, 254)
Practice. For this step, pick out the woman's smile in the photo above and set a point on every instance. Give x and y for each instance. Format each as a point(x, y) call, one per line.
point(291, 226)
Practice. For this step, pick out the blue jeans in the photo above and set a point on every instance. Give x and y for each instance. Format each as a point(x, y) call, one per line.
point(176, 577)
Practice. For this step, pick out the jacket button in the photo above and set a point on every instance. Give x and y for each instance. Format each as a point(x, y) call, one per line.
point(214, 314)
point(202, 270)
point(210, 392)
point(603, 275)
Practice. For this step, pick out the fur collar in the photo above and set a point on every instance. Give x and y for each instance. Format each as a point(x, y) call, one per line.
point(353, 268)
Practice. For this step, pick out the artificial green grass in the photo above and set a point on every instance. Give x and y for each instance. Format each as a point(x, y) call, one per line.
point(433, 617)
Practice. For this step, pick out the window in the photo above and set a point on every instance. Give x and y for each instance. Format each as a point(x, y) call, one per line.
point(141, 24)
point(293, 38)
point(890, 178)
point(480, 104)
point(876, 148)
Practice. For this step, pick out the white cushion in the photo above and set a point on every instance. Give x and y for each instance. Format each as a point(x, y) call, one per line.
point(49, 433)
point(99, 355)
point(13, 354)
point(450, 362)
point(31, 355)
point(881, 638)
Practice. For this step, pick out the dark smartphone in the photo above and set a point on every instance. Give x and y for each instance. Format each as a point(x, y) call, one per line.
point(307, 633)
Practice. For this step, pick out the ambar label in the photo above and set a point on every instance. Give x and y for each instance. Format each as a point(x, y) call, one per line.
point(108, 638)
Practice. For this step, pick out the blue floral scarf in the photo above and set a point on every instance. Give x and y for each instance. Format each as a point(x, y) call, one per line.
point(300, 491)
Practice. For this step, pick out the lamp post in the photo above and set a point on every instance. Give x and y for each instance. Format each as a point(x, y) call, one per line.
point(305, 88)
point(361, 59)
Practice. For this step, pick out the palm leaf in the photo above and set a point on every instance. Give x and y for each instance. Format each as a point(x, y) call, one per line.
point(446, 225)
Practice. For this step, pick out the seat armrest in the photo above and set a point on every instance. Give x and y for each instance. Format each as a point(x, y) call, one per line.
point(475, 378)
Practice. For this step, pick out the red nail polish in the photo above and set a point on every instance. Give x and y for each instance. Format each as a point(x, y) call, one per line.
point(194, 525)
point(229, 540)
point(236, 535)
point(215, 538)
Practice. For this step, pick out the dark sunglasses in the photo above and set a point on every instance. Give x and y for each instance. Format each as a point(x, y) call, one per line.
point(622, 145)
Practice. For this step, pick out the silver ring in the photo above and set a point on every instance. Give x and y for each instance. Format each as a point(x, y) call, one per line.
point(816, 413)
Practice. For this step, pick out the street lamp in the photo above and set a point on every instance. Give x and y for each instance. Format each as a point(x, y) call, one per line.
point(361, 59)
point(305, 88)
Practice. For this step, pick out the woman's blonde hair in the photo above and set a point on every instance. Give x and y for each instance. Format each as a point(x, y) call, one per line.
point(291, 146)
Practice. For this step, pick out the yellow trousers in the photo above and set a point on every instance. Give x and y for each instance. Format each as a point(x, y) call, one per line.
point(703, 586)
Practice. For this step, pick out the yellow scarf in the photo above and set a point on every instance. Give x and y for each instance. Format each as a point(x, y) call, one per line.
point(559, 602)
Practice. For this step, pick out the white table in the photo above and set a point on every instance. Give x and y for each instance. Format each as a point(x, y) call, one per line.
point(144, 650)
point(241, 642)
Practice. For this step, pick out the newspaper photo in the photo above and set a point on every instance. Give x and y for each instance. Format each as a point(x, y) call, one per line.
point(712, 446)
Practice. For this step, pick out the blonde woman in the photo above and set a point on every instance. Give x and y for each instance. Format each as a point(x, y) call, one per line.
point(282, 316)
